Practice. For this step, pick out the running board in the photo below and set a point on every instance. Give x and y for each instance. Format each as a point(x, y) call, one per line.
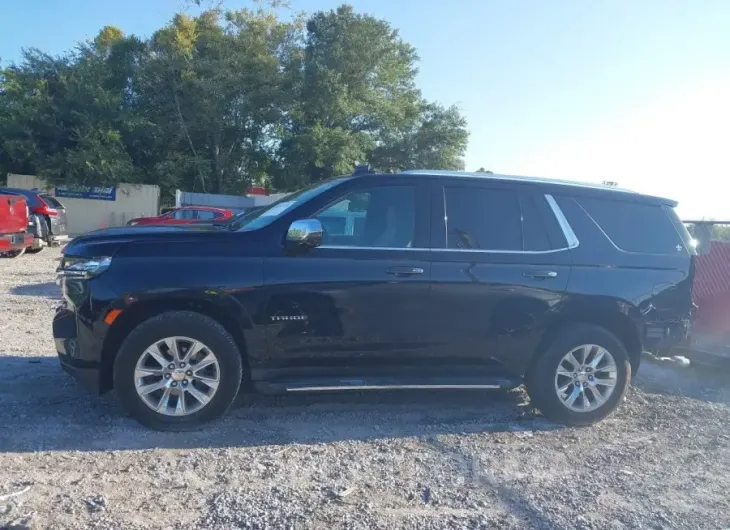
point(390, 387)
point(381, 383)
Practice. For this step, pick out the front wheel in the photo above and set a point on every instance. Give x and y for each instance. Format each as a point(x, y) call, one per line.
point(581, 377)
point(177, 371)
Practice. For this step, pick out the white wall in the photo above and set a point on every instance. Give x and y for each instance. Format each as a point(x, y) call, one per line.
point(84, 215)
point(236, 203)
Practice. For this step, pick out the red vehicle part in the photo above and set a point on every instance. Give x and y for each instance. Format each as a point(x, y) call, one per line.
point(711, 291)
point(709, 339)
point(185, 215)
point(14, 224)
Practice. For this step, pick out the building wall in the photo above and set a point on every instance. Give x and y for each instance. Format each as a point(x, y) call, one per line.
point(236, 203)
point(84, 215)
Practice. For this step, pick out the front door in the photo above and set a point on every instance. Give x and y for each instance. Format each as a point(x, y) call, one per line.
point(500, 265)
point(358, 303)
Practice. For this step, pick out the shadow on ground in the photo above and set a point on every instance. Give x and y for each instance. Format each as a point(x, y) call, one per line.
point(45, 410)
point(45, 290)
point(697, 382)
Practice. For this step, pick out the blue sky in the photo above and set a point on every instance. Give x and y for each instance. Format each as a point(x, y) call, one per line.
point(632, 91)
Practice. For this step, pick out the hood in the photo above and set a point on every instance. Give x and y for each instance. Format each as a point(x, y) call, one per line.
point(105, 242)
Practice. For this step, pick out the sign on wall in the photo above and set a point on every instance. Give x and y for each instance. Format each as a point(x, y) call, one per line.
point(100, 193)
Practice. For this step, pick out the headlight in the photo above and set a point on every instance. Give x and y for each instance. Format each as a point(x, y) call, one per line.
point(132, 223)
point(83, 268)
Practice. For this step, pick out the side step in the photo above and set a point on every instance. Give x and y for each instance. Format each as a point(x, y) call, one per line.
point(384, 383)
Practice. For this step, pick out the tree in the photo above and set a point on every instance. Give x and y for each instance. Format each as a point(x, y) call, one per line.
point(482, 170)
point(357, 102)
point(224, 99)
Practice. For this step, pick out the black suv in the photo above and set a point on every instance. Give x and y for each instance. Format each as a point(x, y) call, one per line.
point(430, 280)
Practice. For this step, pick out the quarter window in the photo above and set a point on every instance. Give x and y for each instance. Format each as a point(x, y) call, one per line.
point(635, 227)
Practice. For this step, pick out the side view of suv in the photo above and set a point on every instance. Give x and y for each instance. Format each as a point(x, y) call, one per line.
point(433, 280)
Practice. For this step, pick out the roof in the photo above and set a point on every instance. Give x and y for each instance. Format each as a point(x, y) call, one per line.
point(554, 183)
point(20, 191)
point(201, 207)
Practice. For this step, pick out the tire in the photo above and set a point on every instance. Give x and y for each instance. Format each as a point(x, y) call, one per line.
point(30, 250)
point(543, 382)
point(13, 253)
point(182, 325)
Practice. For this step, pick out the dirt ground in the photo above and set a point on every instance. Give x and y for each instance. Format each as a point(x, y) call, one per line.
point(415, 460)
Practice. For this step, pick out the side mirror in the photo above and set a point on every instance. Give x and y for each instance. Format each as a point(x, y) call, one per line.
point(304, 234)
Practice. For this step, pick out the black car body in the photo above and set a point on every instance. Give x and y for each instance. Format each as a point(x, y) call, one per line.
point(448, 280)
point(47, 220)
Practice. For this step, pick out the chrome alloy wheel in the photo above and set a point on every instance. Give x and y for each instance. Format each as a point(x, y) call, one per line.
point(586, 378)
point(177, 376)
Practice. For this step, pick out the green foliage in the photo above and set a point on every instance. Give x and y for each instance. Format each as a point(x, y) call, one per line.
point(720, 232)
point(220, 101)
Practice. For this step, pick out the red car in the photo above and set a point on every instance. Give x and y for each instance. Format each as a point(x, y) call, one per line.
point(14, 236)
point(185, 215)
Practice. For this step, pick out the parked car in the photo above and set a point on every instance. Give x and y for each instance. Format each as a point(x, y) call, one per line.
point(47, 220)
point(453, 281)
point(14, 236)
point(185, 215)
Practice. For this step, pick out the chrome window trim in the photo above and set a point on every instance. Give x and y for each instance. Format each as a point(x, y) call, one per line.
point(346, 247)
point(473, 250)
point(567, 230)
point(570, 236)
point(391, 387)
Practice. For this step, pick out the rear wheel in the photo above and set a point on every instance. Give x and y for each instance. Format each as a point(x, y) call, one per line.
point(581, 377)
point(13, 253)
point(177, 371)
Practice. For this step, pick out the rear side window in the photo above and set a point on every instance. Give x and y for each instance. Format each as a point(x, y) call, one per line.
point(534, 230)
point(51, 201)
point(206, 215)
point(635, 227)
point(482, 219)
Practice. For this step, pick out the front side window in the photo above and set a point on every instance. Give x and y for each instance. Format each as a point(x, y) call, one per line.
point(482, 219)
point(184, 214)
point(380, 217)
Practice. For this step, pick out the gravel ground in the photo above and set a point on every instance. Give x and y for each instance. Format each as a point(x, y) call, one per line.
point(401, 460)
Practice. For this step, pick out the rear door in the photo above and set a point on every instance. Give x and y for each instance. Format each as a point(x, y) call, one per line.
point(59, 222)
point(500, 264)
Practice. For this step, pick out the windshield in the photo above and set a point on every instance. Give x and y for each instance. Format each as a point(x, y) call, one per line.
point(268, 214)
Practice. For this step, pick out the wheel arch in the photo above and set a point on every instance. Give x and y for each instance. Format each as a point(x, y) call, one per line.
point(143, 310)
point(617, 322)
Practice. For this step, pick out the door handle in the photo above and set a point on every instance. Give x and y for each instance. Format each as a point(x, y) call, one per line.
point(541, 275)
point(404, 271)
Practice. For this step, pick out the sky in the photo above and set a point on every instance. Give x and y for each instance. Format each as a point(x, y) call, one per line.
point(636, 92)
